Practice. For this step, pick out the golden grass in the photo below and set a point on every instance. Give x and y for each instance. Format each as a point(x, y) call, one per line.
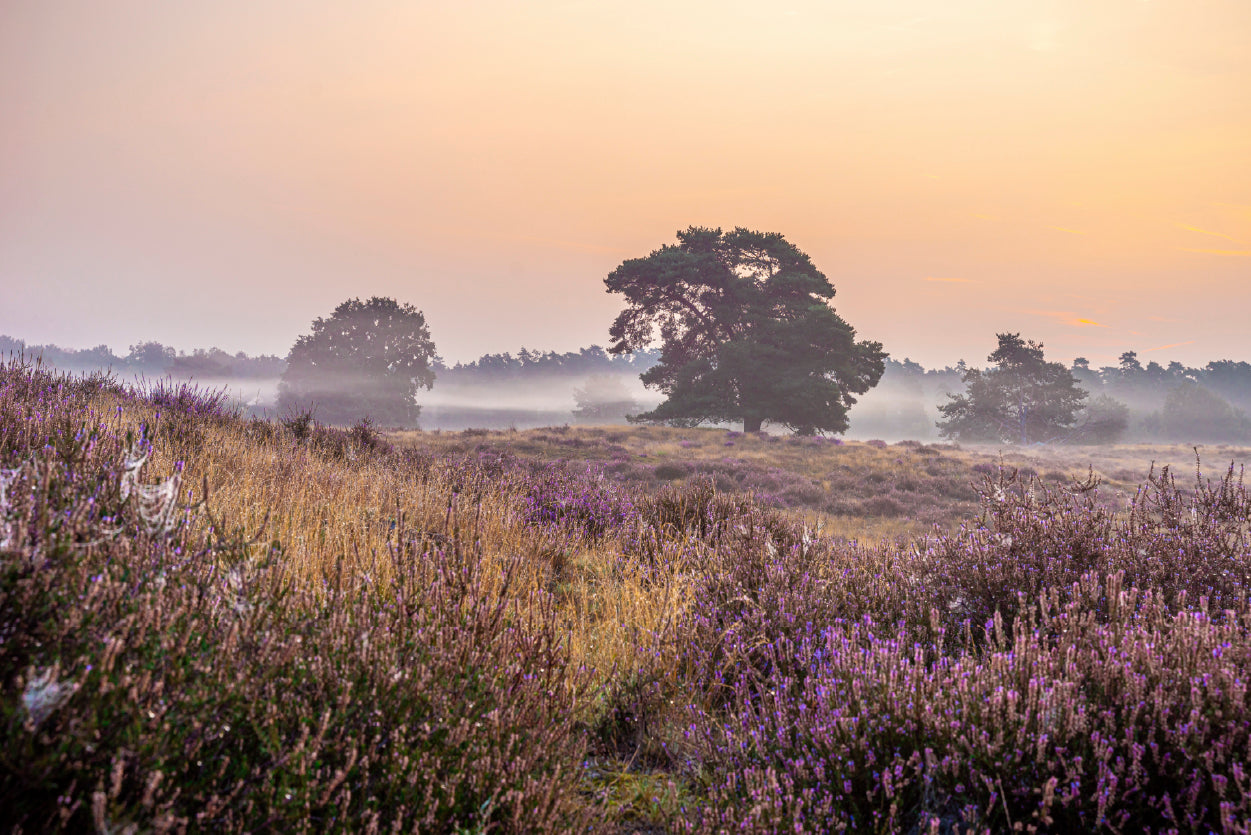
point(344, 515)
point(336, 517)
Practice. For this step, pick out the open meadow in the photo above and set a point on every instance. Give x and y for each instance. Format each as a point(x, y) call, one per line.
point(861, 490)
point(217, 624)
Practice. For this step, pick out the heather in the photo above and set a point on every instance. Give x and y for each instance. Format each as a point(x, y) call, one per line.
point(216, 623)
point(1053, 668)
point(165, 670)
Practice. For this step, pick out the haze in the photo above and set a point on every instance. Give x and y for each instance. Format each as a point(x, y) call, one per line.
point(222, 173)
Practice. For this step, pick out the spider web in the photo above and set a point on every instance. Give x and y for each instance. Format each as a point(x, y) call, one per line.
point(7, 477)
point(156, 503)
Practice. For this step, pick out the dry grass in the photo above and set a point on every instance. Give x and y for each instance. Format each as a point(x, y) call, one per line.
point(339, 514)
point(1120, 466)
point(853, 490)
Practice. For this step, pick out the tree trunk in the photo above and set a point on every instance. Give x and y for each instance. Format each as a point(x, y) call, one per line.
point(751, 423)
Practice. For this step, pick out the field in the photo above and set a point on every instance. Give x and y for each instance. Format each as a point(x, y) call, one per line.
point(855, 490)
point(211, 623)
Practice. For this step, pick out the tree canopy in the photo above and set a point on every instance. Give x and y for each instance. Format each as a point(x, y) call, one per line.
point(1022, 399)
point(746, 333)
point(367, 360)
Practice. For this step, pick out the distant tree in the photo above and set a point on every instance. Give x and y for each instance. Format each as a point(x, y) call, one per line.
point(202, 363)
point(1230, 379)
point(1084, 374)
point(535, 365)
point(1104, 420)
point(101, 356)
point(150, 357)
point(1193, 413)
point(367, 360)
point(1022, 399)
point(603, 397)
point(746, 333)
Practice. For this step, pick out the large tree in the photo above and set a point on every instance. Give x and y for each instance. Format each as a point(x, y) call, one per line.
point(746, 333)
point(1022, 398)
point(367, 360)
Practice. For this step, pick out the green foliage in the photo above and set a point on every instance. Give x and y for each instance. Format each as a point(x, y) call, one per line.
point(1022, 399)
point(746, 333)
point(367, 360)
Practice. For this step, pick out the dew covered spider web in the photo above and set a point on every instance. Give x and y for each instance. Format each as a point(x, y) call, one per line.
point(7, 477)
point(156, 503)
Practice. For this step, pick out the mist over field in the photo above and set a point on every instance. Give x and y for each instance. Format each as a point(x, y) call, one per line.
point(529, 404)
point(520, 404)
point(531, 390)
point(887, 412)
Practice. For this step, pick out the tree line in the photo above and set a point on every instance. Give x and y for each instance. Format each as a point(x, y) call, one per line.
point(152, 359)
point(734, 326)
point(1022, 398)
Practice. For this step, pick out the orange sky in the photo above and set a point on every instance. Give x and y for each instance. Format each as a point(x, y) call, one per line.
point(221, 173)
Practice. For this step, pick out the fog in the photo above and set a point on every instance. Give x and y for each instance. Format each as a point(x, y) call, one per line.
point(899, 408)
point(888, 414)
point(885, 412)
point(249, 394)
point(453, 405)
point(521, 404)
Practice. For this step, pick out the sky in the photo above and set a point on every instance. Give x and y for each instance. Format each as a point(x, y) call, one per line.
point(220, 174)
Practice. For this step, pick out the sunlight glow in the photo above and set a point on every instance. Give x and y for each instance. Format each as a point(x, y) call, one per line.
point(492, 162)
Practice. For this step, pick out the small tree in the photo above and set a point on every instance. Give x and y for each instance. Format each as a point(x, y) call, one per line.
point(1023, 398)
point(746, 332)
point(367, 360)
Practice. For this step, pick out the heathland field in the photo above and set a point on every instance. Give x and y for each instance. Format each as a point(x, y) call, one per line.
point(853, 489)
point(210, 623)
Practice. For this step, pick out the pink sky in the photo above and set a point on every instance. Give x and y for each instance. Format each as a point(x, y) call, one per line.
point(222, 173)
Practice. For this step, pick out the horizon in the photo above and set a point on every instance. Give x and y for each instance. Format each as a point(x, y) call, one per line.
point(451, 364)
point(223, 175)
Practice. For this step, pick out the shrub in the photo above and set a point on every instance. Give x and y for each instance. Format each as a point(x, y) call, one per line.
point(299, 423)
point(695, 508)
point(187, 398)
point(587, 504)
point(668, 472)
point(366, 438)
point(161, 672)
point(1054, 666)
point(1185, 545)
point(1105, 712)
